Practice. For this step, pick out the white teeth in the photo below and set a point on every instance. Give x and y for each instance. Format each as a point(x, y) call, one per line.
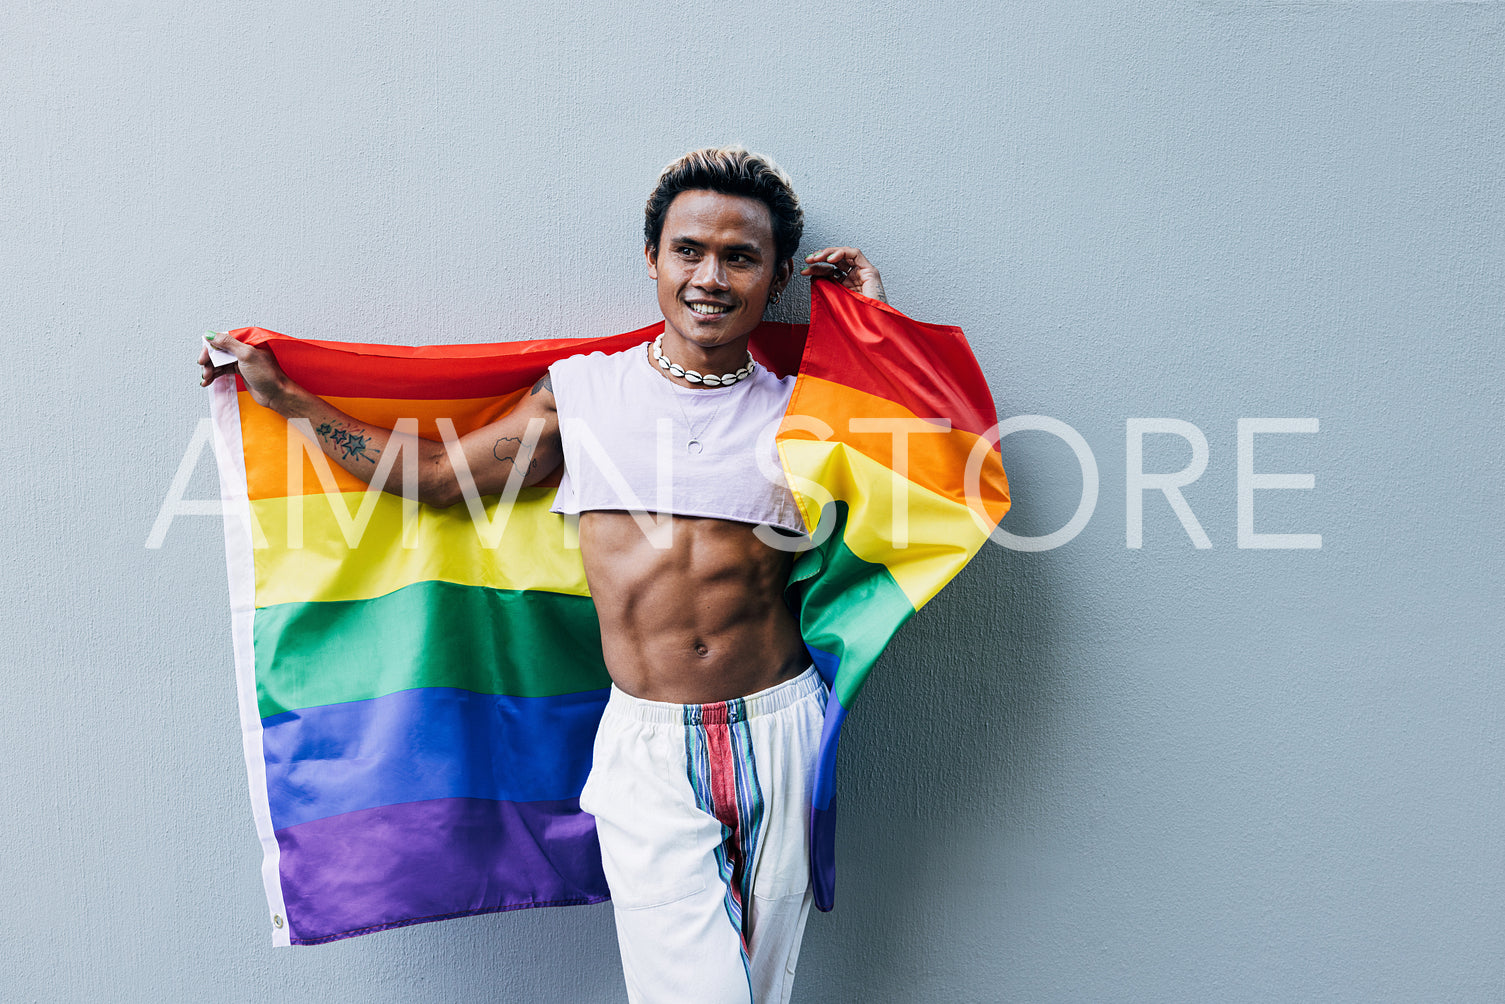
point(707, 308)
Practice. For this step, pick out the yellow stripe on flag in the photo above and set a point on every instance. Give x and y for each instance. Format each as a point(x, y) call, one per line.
point(532, 553)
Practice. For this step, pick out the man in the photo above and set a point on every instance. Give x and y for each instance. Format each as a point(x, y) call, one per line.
point(701, 775)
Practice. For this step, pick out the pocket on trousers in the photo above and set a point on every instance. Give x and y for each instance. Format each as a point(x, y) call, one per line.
point(656, 845)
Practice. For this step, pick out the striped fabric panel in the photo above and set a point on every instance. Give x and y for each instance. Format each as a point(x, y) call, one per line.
point(724, 778)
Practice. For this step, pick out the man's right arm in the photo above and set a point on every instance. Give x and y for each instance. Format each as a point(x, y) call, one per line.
point(490, 453)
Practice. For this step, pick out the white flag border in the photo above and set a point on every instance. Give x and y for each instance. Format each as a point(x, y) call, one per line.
point(240, 564)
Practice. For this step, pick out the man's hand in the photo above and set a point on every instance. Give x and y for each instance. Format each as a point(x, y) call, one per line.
point(257, 367)
point(849, 267)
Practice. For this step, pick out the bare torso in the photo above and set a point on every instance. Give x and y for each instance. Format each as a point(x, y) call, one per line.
point(699, 621)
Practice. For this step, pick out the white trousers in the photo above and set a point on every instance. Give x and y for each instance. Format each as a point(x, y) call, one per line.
point(703, 813)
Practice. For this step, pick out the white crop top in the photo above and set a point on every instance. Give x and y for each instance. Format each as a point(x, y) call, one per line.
point(635, 440)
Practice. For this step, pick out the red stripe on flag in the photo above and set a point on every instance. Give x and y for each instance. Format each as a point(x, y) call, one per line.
point(350, 369)
point(341, 369)
point(882, 352)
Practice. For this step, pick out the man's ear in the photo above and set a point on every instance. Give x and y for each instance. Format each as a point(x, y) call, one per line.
point(650, 252)
point(782, 276)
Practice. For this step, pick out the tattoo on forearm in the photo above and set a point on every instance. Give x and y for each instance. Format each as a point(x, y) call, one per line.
point(545, 382)
point(496, 449)
point(350, 442)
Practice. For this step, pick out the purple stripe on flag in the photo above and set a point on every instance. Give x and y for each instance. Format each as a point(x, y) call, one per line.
point(406, 864)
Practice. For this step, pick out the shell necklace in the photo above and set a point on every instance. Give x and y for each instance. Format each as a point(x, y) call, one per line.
point(707, 379)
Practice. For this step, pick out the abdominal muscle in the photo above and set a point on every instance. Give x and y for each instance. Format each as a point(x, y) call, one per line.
point(698, 621)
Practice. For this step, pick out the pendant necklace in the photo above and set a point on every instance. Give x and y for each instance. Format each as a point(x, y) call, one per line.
point(695, 446)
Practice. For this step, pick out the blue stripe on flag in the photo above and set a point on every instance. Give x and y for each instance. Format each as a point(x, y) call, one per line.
point(431, 742)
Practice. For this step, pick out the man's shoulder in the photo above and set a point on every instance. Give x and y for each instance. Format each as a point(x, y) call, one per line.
point(588, 379)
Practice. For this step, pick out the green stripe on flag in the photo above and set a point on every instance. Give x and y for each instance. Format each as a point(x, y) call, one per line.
point(848, 607)
point(521, 643)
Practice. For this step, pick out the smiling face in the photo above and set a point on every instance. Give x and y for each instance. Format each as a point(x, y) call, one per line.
point(715, 267)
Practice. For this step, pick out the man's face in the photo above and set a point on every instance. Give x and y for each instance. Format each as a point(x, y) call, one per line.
point(715, 267)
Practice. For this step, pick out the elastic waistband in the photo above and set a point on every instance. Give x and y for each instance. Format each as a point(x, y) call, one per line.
point(764, 702)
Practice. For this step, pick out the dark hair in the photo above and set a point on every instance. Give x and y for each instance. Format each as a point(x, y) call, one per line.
point(730, 170)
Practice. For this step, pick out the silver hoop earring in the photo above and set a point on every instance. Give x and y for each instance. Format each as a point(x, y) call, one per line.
point(773, 300)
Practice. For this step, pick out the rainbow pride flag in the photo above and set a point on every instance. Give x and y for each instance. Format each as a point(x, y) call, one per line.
point(418, 707)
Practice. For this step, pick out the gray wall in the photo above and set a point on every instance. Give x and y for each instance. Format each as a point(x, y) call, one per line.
point(1092, 773)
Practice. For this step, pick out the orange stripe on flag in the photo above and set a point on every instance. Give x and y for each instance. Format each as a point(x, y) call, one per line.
point(265, 433)
point(936, 461)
